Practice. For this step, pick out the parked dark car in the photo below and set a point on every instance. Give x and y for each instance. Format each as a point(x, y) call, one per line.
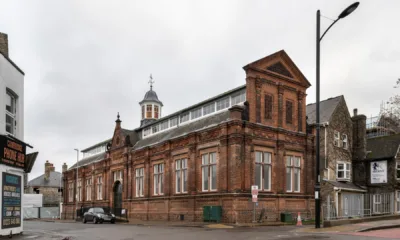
point(98, 215)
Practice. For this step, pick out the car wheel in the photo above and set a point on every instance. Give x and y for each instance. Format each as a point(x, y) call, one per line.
point(84, 220)
point(112, 221)
point(101, 221)
point(94, 220)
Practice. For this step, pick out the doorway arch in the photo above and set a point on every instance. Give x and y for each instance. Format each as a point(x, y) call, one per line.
point(117, 195)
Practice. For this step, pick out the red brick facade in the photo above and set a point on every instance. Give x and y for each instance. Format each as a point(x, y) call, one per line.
point(235, 143)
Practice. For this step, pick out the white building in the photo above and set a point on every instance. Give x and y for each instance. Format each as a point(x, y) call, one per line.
point(11, 94)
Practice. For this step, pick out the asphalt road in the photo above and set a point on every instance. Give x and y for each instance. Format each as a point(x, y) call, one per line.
point(74, 231)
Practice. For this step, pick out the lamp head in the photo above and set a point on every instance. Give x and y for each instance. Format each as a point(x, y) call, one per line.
point(349, 10)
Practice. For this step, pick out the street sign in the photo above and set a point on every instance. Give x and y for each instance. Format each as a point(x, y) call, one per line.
point(254, 193)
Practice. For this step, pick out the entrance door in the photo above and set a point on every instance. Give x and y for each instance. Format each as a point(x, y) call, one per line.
point(117, 195)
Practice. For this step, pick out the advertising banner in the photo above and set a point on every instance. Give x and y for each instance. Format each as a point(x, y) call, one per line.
point(12, 153)
point(11, 201)
point(379, 172)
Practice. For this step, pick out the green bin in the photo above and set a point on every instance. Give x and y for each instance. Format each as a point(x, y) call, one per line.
point(212, 213)
point(286, 217)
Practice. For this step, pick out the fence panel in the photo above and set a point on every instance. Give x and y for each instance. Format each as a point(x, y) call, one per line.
point(31, 212)
point(352, 205)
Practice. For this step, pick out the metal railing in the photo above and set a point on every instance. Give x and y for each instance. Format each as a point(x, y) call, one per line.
point(359, 205)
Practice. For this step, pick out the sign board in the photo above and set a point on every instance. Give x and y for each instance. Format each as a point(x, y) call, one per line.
point(12, 153)
point(32, 200)
point(254, 193)
point(11, 201)
point(379, 172)
point(123, 211)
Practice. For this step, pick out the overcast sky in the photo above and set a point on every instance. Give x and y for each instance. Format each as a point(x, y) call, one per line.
point(84, 61)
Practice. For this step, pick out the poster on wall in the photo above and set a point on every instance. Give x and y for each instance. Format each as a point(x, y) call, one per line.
point(11, 201)
point(379, 172)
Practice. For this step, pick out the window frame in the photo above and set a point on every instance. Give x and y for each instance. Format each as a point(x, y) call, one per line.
point(209, 165)
point(181, 170)
point(88, 186)
point(292, 165)
point(79, 188)
point(268, 106)
point(289, 105)
point(336, 138)
point(345, 141)
point(99, 190)
point(156, 111)
point(346, 171)
point(158, 179)
point(263, 163)
point(11, 114)
point(70, 192)
point(139, 182)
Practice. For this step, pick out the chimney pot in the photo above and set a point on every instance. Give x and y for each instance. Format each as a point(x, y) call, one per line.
point(355, 111)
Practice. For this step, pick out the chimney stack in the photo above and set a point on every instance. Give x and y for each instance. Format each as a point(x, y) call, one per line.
point(4, 44)
point(64, 167)
point(47, 169)
point(355, 111)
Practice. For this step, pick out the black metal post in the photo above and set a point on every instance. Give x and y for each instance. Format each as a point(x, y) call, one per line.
point(317, 152)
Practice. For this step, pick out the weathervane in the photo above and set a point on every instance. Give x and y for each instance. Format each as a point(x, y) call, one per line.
point(151, 81)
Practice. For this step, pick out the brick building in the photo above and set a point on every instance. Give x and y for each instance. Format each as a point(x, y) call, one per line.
point(208, 154)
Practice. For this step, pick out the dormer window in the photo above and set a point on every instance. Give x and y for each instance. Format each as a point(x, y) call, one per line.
point(343, 171)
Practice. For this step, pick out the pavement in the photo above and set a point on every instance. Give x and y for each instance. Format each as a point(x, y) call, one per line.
point(34, 230)
point(357, 227)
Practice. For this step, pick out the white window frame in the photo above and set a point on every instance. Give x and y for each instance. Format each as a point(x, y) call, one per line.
point(336, 138)
point(196, 113)
point(89, 189)
point(70, 192)
point(223, 103)
point(209, 161)
point(118, 175)
point(100, 188)
point(293, 164)
point(345, 144)
point(158, 177)
point(264, 159)
point(139, 180)
point(346, 171)
point(12, 114)
point(181, 174)
point(377, 205)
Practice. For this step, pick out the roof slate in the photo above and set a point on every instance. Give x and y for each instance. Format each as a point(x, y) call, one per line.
point(54, 181)
point(327, 107)
point(185, 129)
point(346, 185)
point(90, 159)
point(383, 146)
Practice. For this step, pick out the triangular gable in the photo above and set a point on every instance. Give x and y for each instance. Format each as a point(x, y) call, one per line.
point(279, 63)
point(280, 69)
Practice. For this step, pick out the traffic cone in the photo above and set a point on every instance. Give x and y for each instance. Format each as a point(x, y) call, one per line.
point(299, 220)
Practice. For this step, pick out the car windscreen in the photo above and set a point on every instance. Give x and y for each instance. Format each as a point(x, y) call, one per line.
point(98, 210)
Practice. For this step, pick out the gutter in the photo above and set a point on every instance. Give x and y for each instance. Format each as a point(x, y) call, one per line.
point(348, 189)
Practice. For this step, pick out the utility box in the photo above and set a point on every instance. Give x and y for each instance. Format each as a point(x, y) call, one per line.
point(212, 213)
point(286, 217)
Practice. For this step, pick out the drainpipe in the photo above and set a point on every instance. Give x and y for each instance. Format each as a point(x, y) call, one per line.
point(325, 125)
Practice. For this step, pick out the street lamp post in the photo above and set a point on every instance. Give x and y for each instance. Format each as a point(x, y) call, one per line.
point(76, 188)
point(344, 14)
